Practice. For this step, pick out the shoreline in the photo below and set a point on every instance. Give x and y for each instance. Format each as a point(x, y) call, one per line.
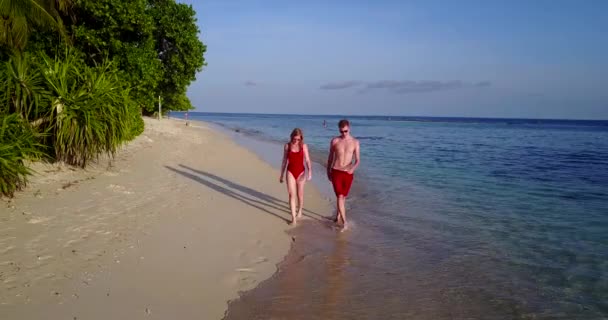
point(124, 240)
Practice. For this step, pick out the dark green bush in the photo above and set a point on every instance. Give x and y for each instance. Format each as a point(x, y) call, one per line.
point(90, 110)
point(136, 123)
point(22, 88)
point(18, 144)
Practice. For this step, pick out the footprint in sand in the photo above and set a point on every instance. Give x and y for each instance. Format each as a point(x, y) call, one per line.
point(254, 263)
point(36, 220)
point(119, 189)
point(6, 250)
point(242, 279)
point(43, 258)
point(71, 242)
point(246, 282)
point(260, 260)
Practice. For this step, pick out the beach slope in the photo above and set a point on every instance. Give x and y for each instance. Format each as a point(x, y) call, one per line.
point(174, 227)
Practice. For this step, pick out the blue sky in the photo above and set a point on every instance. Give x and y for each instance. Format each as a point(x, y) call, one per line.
point(541, 59)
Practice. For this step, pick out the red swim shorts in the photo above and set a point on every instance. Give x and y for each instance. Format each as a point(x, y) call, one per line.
point(341, 181)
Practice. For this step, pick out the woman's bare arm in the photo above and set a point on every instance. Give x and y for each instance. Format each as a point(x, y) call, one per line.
point(284, 163)
point(307, 161)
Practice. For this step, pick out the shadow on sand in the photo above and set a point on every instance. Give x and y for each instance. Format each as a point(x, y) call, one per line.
point(254, 198)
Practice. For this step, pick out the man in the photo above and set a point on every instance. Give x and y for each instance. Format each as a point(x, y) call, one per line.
point(341, 167)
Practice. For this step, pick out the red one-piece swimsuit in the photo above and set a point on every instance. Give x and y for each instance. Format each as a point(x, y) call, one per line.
point(296, 162)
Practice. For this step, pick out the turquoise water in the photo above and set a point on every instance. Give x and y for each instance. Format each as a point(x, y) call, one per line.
point(454, 218)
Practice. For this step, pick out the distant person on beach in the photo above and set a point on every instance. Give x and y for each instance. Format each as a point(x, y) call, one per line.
point(295, 156)
point(343, 150)
point(324, 124)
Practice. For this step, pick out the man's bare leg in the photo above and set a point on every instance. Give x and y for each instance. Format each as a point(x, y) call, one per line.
point(300, 191)
point(342, 210)
point(337, 217)
point(292, 190)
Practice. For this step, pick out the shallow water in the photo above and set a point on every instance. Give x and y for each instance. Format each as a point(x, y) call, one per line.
point(453, 218)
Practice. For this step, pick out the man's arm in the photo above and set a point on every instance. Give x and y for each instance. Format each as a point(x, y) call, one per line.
point(357, 158)
point(330, 159)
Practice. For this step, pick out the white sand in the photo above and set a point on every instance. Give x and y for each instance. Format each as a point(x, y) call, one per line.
point(180, 222)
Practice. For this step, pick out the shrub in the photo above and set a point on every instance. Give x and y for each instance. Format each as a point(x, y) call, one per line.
point(136, 122)
point(18, 144)
point(22, 87)
point(90, 116)
point(63, 109)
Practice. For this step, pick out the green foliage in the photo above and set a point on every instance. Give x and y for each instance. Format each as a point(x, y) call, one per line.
point(155, 43)
point(178, 102)
point(73, 104)
point(18, 144)
point(90, 116)
point(22, 86)
point(123, 30)
point(137, 125)
point(86, 110)
point(179, 49)
point(135, 121)
point(19, 18)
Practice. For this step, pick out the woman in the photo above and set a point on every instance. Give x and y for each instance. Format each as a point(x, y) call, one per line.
point(295, 155)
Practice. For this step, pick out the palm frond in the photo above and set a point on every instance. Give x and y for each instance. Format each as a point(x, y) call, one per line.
point(19, 17)
point(22, 86)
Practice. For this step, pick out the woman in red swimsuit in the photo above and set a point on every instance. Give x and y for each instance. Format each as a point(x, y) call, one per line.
point(295, 155)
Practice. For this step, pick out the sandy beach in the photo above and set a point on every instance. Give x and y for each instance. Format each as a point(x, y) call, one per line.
point(173, 228)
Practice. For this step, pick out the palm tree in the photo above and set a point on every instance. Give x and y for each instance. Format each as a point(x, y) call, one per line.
point(19, 17)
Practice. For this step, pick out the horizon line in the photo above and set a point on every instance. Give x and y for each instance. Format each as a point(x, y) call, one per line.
point(389, 115)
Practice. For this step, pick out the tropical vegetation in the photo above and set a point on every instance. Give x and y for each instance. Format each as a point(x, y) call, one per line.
point(76, 76)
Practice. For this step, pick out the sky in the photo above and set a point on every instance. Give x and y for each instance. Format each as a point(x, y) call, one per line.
point(517, 59)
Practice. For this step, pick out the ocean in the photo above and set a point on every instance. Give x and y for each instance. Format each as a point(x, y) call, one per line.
point(453, 218)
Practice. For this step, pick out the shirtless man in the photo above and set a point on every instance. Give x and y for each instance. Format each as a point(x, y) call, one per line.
point(340, 167)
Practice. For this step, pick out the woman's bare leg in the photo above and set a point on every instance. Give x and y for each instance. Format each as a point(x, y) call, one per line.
point(300, 190)
point(292, 190)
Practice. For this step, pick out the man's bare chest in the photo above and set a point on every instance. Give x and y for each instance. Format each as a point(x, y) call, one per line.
point(343, 148)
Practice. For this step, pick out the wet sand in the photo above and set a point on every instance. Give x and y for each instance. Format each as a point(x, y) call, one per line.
point(180, 222)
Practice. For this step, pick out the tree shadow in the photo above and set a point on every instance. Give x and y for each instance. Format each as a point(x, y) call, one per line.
point(270, 200)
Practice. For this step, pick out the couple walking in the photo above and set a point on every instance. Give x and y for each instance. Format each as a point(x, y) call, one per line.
point(342, 162)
